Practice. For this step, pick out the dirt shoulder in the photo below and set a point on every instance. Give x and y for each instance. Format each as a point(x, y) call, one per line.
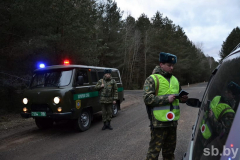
point(10, 121)
point(13, 123)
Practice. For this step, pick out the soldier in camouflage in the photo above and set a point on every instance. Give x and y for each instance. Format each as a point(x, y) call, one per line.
point(109, 94)
point(162, 100)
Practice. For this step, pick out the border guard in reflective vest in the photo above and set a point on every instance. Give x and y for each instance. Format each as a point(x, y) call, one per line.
point(160, 91)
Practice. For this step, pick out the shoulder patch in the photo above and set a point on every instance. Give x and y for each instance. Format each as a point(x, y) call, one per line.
point(146, 88)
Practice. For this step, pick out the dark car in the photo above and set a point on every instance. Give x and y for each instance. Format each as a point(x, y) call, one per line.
point(215, 134)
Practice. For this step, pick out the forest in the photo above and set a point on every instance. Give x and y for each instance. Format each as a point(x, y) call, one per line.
point(90, 32)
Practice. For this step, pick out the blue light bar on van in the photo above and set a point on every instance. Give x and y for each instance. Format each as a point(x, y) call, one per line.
point(42, 65)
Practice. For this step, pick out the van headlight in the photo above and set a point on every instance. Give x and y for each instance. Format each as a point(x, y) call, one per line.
point(25, 101)
point(56, 100)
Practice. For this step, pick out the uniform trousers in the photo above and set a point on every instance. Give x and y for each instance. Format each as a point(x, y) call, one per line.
point(106, 111)
point(162, 138)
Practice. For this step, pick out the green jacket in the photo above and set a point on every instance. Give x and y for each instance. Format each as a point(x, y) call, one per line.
point(110, 91)
point(151, 100)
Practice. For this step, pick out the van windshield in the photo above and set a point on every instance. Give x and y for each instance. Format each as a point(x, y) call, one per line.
point(51, 78)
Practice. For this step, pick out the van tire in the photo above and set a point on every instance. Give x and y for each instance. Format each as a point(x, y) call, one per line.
point(43, 123)
point(115, 109)
point(83, 122)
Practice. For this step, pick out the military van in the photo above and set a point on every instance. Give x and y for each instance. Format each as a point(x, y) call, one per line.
point(215, 134)
point(67, 92)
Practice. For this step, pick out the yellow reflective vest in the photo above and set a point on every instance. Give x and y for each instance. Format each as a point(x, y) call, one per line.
point(165, 113)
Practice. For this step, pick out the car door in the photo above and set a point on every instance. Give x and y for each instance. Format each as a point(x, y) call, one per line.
point(217, 113)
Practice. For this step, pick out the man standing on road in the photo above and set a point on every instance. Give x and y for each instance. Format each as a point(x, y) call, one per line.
point(160, 91)
point(108, 97)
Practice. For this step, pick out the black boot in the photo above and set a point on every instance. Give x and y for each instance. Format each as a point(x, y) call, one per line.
point(104, 126)
point(109, 125)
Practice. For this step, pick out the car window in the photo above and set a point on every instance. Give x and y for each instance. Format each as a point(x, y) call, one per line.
point(218, 109)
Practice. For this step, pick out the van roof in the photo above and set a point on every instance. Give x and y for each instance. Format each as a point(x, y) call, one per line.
point(72, 66)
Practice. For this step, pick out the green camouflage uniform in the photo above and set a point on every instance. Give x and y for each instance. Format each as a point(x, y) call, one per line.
point(163, 134)
point(108, 94)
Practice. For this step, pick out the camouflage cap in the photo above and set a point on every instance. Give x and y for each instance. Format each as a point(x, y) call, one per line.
point(167, 58)
point(234, 88)
point(107, 71)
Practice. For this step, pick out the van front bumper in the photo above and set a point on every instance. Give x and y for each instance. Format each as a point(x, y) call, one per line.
point(64, 115)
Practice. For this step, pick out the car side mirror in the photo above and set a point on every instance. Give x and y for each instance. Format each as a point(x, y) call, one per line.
point(193, 102)
point(80, 80)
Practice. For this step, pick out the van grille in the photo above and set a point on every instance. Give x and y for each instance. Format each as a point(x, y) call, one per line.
point(41, 107)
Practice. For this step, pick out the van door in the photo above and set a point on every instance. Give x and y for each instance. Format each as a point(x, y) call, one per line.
point(95, 100)
point(117, 78)
point(84, 95)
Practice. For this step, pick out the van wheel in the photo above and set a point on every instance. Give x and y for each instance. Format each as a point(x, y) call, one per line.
point(84, 121)
point(43, 123)
point(115, 109)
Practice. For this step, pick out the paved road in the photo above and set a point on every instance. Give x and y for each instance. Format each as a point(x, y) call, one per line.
point(127, 141)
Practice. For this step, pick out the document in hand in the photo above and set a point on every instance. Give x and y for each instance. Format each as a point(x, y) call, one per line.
point(181, 93)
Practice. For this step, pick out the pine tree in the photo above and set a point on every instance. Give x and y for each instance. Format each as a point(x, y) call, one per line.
point(230, 43)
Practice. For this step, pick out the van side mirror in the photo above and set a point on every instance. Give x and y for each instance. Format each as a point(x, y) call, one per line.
point(80, 80)
point(193, 102)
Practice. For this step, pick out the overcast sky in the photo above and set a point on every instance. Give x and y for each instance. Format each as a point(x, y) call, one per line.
point(206, 22)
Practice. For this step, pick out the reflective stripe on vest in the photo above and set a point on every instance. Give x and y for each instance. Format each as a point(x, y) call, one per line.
point(163, 113)
point(165, 108)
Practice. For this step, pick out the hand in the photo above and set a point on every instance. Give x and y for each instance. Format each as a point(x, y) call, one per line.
point(171, 98)
point(184, 98)
point(210, 113)
point(102, 85)
point(114, 102)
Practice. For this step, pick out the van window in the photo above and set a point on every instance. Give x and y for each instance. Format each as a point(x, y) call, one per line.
point(218, 108)
point(83, 73)
point(94, 77)
point(115, 76)
point(52, 78)
point(100, 75)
